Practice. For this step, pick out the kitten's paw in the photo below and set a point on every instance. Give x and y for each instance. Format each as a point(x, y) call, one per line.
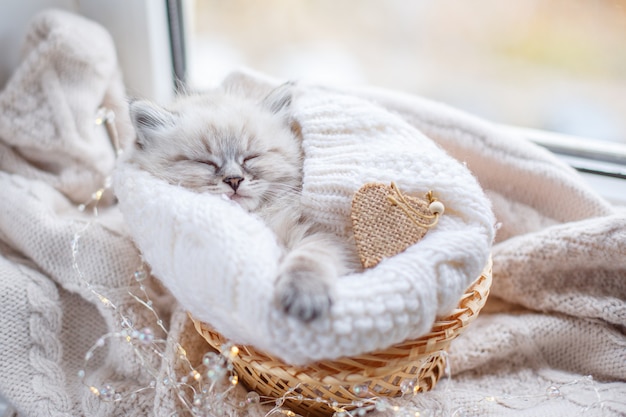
point(303, 295)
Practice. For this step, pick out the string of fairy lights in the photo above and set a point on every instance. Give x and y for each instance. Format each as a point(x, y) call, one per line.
point(207, 389)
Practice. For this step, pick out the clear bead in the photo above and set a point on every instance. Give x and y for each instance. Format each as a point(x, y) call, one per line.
point(553, 392)
point(210, 358)
point(253, 398)
point(145, 336)
point(140, 275)
point(107, 393)
point(407, 386)
point(361, 390)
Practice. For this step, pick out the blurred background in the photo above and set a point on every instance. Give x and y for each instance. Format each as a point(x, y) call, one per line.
point(558, 65)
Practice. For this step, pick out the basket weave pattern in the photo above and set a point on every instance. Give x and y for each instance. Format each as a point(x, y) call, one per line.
point(420, 360)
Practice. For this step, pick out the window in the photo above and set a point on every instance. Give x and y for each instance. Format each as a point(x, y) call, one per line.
point(558, 65)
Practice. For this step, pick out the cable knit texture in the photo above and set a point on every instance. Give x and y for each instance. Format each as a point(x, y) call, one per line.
point(558, 303)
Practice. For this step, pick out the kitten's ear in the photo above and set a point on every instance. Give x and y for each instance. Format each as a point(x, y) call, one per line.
point(149, 119)
point(279, 98)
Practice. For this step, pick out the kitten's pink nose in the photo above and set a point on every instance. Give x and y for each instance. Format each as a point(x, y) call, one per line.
point(233, 182)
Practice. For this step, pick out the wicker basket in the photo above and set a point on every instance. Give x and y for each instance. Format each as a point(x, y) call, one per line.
point(342, 381)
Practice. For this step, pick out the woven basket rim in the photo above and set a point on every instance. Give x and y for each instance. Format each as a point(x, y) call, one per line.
point(377, 364)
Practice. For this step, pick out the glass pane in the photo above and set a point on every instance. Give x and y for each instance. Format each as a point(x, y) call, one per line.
point(556, 65)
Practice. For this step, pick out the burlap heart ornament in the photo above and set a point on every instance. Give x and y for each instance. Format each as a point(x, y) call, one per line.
point(386, 222)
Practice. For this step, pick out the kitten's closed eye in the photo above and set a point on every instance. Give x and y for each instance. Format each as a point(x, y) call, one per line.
point(250, 158)
point(207, 162)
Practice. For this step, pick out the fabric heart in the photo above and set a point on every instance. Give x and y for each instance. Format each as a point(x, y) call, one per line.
point(386, 222)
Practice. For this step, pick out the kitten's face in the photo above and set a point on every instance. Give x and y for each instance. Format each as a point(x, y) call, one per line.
point(221, 144)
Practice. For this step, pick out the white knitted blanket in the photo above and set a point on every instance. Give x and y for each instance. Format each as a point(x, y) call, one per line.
point(220, 262)
point(556, 314)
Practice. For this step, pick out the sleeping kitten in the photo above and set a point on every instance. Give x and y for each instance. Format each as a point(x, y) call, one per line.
point(224, 143)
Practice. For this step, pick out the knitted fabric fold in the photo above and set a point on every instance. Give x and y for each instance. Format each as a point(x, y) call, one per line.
point(229, 260)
